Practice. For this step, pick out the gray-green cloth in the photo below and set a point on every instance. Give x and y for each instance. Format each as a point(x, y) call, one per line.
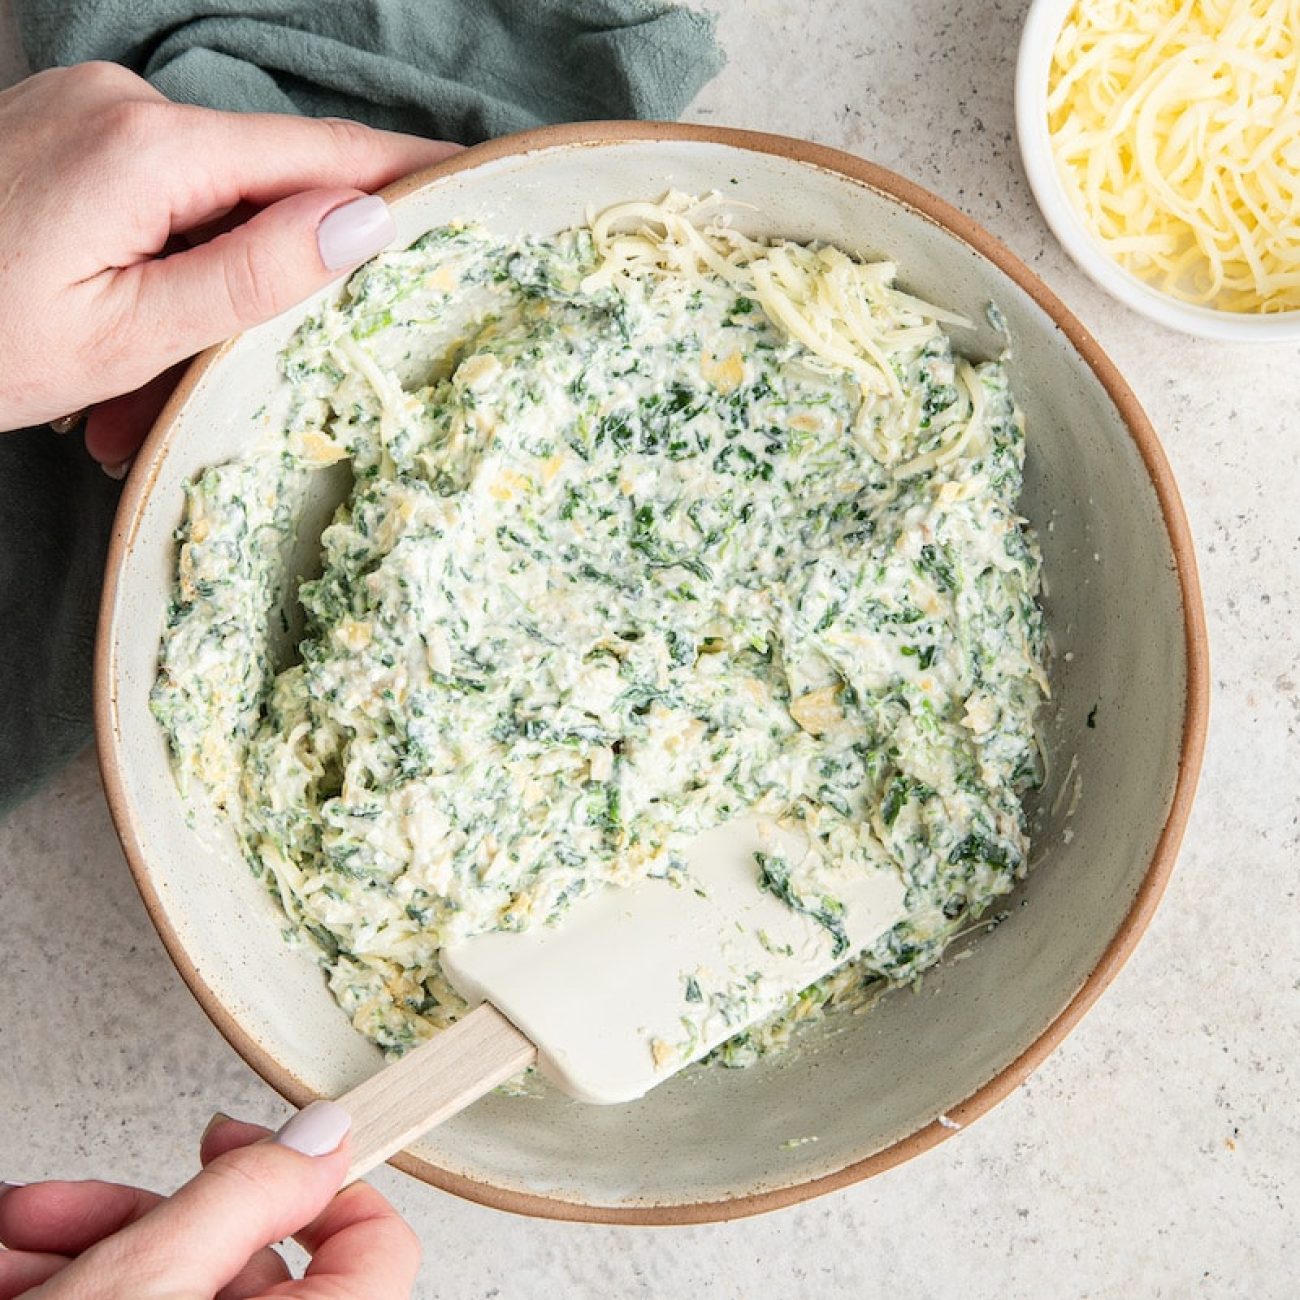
point(460, 70)
point(456, 69)
point(56, 508)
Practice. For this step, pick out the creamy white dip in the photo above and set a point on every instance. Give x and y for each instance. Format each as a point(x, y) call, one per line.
point(642, 534)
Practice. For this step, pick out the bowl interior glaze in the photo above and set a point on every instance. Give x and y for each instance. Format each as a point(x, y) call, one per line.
point(1124, 613)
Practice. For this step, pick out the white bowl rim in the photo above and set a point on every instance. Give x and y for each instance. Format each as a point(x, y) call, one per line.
point(114, 759)
point(1037, 41)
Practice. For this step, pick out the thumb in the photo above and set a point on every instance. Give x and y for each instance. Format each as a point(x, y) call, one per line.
point(201, 1237)
point(190, 300)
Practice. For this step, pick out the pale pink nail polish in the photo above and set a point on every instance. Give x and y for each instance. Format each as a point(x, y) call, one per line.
point(355, 231)
point(316, 1130)
point(117, 471)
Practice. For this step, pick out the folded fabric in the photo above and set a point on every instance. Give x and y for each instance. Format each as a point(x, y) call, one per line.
point(454, 69)
point(56, 509)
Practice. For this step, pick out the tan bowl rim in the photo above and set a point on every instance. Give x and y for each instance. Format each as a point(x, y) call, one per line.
point(1196, 712)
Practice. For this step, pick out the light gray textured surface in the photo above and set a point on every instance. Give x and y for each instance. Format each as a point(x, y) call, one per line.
point(1156, 1154)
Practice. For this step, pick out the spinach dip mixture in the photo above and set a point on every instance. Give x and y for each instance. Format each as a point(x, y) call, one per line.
point(649, 525)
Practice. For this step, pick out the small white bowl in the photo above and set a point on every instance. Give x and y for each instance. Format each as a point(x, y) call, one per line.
point(1042, 26)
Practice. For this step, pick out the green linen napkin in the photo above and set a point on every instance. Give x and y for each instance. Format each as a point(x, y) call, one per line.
point(56, 508)
point(461, 70)
point(457, 69)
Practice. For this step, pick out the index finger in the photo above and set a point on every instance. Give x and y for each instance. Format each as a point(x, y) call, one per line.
point(361, 1248)
point(359, 1244)
point(66, 1218)
point(260, 158)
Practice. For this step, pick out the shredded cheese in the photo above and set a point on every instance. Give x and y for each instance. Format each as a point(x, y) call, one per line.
point(1175, 126)
point(845, 312)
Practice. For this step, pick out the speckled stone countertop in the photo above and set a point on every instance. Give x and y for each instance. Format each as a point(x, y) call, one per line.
point(1157, 1153)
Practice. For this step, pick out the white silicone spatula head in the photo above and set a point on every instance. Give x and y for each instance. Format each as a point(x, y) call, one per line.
point(635, 983)
point(632, 984)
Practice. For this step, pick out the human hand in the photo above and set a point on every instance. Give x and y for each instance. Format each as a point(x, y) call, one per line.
point(134, 232)
point(102, 1241)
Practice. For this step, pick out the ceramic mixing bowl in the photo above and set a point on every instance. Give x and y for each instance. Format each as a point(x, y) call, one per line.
point(1124, 730)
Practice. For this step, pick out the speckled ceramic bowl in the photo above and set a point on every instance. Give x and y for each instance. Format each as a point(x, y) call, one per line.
point(1124, 731)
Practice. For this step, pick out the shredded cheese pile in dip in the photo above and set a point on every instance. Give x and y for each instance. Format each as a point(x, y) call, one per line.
point(650, 525)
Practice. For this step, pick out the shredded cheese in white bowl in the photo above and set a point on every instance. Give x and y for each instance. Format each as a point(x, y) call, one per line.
point(1162, 142)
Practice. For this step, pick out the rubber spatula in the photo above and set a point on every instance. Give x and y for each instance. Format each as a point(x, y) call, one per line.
point(633, 984)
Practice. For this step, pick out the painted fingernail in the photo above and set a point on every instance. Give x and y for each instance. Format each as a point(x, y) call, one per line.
point(216, 1121)
point(316, 1130)
point(117, 471)
point(9, 1187)
point(355, 231)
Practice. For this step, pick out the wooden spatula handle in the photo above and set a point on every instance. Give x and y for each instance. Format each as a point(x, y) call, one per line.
point(432, 1083)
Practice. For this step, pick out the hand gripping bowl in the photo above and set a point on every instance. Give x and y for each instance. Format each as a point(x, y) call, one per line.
point(1124, 602)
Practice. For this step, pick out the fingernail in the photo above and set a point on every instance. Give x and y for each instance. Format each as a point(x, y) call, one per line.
point(66, 423)
point(216, 1121)
point(9, 1187)
point(355, 231)
point(117, 471)
point(316, 1130)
